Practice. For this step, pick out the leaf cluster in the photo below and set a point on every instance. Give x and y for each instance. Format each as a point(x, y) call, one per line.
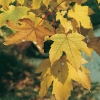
point(70, 29)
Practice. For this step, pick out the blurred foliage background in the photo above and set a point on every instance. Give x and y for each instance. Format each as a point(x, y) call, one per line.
point(18, 63)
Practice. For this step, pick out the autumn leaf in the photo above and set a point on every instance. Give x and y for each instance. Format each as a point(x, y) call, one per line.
point(62, 91)
point(46, 2)
point(85, 70)
point(46, 75)
point(98, 1)
point(58, 74)
point(60, 70)
point(36, 4)
point(64, 22)
point(80, 14)
point(43, 67)
point(80, 77)
point(5, 3)
point(27, 32)
point(13, 14)
point(45, 84)
point(94, 43)
point(60, 16)
point(33, 17)
point(71, 45)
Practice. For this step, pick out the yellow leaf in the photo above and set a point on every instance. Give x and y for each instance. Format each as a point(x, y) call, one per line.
point(46, 2)
point(98, 1)
point(59, 1)
point(13, 14)
point(43, 67)
point(21, 1)
point(62, 91)
point(94, 43)
point(71, 45)
point(85, 70)
point(47, 78)
point(80, 77)
point(80, 14)
point(12, 0)
point(60, 69)
point(36, 4)
point(90, 11)
point(84, 61)
point(27, 32)
point(5, 3)
point(45, 84)
point(60, 16)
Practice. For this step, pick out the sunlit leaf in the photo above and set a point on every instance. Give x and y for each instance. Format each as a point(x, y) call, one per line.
point(80, 77)
point(27, 32)
point(13, 14)
point(45, 84)
point(71, 45)
point(5, 3)
point(43, 66)
point(80, 14)
point(98, 1)
point(62, 91)
point(46, 2)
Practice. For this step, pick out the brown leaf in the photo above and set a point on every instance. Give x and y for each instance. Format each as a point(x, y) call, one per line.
point(60, 69)
point(94, 43)
point(26, 31)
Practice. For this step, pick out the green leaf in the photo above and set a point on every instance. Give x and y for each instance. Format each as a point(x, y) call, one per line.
point(13, 14)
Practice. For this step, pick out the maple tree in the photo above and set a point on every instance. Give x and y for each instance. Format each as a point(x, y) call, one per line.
point(29, 20)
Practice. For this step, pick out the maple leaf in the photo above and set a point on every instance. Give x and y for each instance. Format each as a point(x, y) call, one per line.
point(80, 77)
point(60, 69)
point(62, 91)
point(94, 43)
point(47, 78)
point(58, 74)
point(64, 22)
point(13, 14)
point(71, 45)
point(43, 67)
point(61, 74)
point(45, 84)
point(27, 32)
point(80, 14)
